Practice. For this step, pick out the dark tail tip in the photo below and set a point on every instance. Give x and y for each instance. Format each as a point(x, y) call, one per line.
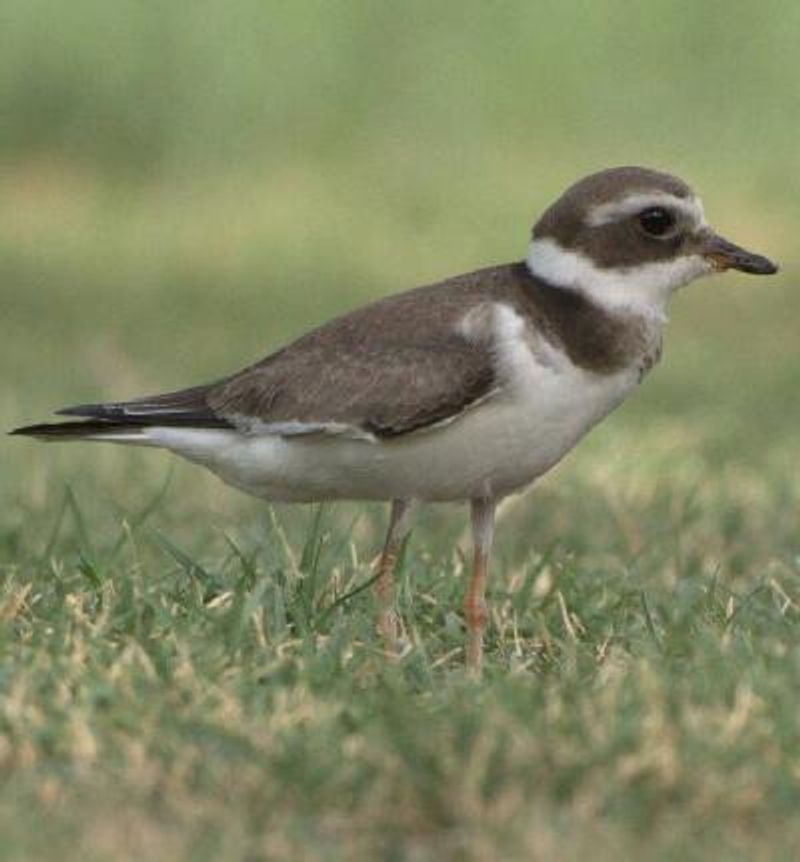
point(72, 430)
point(27, 431)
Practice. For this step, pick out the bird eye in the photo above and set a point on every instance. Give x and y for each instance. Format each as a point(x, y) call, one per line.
point(656, 221)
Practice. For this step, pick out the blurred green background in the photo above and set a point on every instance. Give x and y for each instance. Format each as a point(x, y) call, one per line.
point(186, 185)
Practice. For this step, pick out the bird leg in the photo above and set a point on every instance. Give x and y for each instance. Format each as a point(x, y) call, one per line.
point(384, 584)
point(475, 613)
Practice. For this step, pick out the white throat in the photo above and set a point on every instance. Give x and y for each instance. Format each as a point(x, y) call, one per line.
point(644, 289)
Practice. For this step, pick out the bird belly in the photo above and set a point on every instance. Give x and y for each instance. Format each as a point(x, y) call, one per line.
point(493, 449)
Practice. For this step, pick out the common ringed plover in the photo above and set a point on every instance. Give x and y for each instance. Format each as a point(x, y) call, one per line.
point(467, 389)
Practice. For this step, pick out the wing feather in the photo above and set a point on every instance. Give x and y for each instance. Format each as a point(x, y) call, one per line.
point(389, 368)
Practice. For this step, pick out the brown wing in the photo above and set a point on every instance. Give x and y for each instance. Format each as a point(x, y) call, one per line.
point(386, 369)
point(383, 391)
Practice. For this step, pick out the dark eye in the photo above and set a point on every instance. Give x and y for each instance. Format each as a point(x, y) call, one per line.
point(656, 221)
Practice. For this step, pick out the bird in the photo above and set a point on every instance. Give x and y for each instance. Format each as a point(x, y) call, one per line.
point(465, 390)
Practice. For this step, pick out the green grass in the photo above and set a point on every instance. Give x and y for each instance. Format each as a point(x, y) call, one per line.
point(215, 701)
point(188, 674)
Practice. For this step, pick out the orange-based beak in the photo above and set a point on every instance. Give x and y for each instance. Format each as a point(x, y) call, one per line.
point(726, 255)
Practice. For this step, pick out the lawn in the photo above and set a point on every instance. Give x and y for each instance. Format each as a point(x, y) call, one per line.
point(190, 674)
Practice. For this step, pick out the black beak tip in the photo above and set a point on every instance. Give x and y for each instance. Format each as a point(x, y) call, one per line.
point(755, 264)
point(727, 255)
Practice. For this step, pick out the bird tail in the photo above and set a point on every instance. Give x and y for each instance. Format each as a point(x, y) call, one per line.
point(89, 429)
point(129, 421)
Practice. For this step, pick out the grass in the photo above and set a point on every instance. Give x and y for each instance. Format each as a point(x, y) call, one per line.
point(189, 674)
point(198, 702)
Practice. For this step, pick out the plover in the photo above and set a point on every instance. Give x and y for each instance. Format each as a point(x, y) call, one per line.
point(467, 389)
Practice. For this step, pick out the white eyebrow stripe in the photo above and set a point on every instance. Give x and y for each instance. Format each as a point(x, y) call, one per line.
point(617, 210)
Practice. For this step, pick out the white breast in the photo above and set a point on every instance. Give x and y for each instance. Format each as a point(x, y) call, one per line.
point(544, 405)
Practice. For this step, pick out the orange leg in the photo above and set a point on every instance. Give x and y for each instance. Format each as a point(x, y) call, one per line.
point(384, 585)
point(475, 612)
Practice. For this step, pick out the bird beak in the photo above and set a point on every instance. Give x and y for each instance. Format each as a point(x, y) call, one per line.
point(725, 255)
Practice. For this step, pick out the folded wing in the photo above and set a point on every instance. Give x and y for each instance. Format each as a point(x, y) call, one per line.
point(390, 368)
